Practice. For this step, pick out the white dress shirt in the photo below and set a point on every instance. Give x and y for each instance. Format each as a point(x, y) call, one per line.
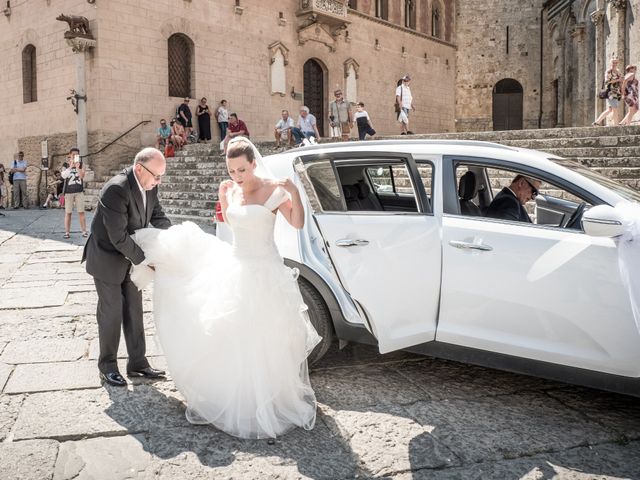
point(143, 192)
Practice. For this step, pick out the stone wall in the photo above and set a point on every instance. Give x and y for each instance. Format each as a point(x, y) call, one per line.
point(127, 79)
point(483, 58)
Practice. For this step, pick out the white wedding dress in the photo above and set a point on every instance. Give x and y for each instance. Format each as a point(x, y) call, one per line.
point(232, 323)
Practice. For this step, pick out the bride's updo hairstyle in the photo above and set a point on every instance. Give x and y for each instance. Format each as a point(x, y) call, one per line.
point(241, 147)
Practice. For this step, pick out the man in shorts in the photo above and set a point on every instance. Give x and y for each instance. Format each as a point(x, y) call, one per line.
point(74, 192)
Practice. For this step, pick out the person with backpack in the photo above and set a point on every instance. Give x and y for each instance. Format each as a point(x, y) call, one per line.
point(404, 104)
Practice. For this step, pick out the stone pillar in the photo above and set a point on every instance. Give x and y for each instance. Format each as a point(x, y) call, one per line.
point(562, 91)
point(80, 46)
point(597, 18)
point(620, 8)
point(580, 97)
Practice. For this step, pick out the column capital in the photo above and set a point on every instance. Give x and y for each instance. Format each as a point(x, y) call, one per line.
point(619, 4)
point(577, 31)
point(80, 44)
point(597, 17)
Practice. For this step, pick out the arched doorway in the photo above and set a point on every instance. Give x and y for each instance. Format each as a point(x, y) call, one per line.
point(507, 105)
point(314, 91)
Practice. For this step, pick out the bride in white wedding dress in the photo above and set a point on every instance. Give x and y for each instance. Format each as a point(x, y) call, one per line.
point(230, 318)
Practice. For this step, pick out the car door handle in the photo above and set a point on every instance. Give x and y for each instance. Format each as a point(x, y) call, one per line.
point(352, 242)
point(470, 246)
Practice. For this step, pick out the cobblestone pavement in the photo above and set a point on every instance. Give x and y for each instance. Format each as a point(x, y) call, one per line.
point(380, 416)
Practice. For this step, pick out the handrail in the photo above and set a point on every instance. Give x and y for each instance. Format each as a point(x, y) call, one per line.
point(116, 139)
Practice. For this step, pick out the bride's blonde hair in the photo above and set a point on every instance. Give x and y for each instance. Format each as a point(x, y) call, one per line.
point(241, 146)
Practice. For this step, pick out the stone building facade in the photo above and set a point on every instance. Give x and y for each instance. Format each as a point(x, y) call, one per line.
point(538, 63)
point(261, 57)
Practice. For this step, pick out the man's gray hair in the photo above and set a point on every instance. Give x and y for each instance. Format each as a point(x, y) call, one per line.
point(305, 108)
point(147, 154)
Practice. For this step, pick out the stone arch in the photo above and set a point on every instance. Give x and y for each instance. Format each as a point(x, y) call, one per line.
point(180, 65)
point(507, 105)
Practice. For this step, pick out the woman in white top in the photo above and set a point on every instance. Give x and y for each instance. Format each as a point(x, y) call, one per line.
point(404, 101)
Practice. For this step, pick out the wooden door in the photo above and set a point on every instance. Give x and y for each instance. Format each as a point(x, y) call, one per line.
point(314, 91)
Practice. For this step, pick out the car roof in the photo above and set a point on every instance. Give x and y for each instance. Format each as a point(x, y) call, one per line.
point(468, 148)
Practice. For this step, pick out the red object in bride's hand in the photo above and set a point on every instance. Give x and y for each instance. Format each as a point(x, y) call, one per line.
point(218, 214)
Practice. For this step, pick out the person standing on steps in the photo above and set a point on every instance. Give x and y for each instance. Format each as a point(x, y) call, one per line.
point(630, 94)
point(204, 121)
point(404, 104)
point(613, 85)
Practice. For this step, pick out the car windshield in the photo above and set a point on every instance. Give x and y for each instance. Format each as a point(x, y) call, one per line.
point(622, 190)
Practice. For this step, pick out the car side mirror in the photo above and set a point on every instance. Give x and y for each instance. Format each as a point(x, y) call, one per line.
point(603, 221)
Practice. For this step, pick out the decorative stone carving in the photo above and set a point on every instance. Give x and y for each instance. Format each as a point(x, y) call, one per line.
point(597, 17)
point(329, 16)
point(619, 4)
point(351, 64)
point(78, 26)
point(79, 44)
point(577, 31)
point(279, 46)
point(317, 32)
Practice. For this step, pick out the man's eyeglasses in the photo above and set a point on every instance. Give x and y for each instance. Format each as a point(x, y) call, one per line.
point(534, 190)
point(338, 94)
point(157, 178)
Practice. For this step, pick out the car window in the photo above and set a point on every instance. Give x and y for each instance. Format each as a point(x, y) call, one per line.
point(477, 185)
point(324, 191)
point(425, 169)
point(377, 186)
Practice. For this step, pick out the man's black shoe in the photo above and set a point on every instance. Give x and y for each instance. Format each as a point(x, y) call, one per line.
point(147, 372)
point(113, 378)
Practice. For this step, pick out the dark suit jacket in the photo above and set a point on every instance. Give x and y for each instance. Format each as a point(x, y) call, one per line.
point(110, 250)
point(506, 206)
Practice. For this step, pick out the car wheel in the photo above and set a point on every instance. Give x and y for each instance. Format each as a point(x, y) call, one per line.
point(320, 319)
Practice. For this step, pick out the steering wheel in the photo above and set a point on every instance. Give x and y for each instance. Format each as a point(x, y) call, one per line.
point(574, 219)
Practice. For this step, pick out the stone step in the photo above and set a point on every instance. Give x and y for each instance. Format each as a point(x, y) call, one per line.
point(206, 223)
point(603, 142)
point(196, 186)
point(208, 204)
point(619, 173)
point(503, 136)
point(609, 162)
point(595, 152)
point(193, 212)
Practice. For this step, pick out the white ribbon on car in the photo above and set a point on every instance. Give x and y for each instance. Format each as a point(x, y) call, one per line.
point(629, 255)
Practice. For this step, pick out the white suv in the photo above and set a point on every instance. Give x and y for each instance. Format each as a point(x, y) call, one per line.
point(396, 252)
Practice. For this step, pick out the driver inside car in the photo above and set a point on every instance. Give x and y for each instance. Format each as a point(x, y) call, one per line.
point(509, 203)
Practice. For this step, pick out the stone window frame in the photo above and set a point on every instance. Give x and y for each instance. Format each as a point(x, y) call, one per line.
point(29, 74)
point(410, 14)
point(438, 19)
point(382, 9)
point(284, 51)
point(180, 78)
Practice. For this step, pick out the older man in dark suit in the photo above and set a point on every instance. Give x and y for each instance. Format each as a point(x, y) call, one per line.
point(509, 203)
point(128, 202)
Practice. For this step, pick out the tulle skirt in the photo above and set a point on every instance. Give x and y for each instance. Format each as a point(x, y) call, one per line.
point(234, 330)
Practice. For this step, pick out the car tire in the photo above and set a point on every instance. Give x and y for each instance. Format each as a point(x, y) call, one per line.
point(320, 319)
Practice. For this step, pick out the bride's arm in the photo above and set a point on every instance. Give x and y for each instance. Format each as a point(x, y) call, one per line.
point(292, 209)
point(222, 197)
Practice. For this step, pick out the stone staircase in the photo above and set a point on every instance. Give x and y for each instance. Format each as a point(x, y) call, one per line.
point(189, 189)
point(612, 151)
point(190, 185)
